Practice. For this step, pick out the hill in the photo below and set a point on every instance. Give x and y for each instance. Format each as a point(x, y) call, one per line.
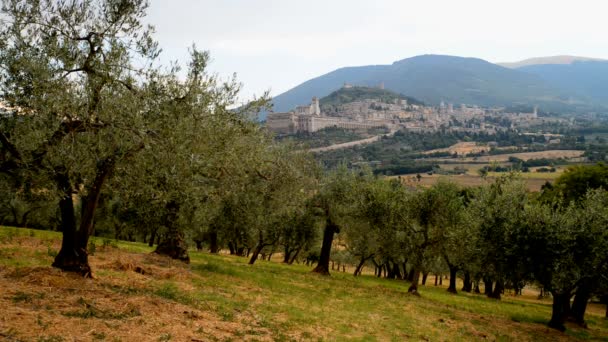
point(138, 296)
point(587, 80)
point(436, 78)
point(562, 59)
point(346, 95)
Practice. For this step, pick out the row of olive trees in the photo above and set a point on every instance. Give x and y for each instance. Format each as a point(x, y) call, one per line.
point(94, 132)
point(498, 234)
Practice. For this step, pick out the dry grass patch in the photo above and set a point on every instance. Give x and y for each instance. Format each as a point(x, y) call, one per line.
point(124, 302)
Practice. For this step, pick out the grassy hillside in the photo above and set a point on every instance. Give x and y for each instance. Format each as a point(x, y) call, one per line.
point(137, 296)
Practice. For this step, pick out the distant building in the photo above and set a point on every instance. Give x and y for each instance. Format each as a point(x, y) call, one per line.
point(310, 119)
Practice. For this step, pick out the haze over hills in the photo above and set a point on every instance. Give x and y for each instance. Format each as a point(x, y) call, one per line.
point(561, 59)
point(436, 78)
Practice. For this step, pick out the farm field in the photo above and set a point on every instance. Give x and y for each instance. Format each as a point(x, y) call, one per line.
point(461, 148)
point(138, 296)
point(573, 155)
point(534, 181)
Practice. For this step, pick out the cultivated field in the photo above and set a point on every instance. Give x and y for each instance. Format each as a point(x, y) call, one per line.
point(574, 155)
point(138, 296)
point(461, 148)
point(534, 182)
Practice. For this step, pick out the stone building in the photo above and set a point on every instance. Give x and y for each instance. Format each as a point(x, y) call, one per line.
point(310, 119)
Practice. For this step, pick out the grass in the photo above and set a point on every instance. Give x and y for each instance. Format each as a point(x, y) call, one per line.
point(222, 298)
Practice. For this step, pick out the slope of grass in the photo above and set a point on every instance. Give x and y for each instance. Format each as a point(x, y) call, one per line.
point(139, 296)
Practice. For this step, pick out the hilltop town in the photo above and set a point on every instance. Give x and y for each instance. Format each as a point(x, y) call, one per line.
point(365, 108)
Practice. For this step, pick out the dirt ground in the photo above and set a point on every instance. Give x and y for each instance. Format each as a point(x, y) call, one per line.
point(46, 304)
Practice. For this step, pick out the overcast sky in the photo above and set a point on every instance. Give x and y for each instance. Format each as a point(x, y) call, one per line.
point(277, 44)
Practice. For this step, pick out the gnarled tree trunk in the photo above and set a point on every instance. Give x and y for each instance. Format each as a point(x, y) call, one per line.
point(579, 305)
point(255, 253)
point(328, 238)
point(560, 310)
point(71, 257)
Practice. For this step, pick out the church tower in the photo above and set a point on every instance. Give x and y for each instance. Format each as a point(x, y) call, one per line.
point(314, 107)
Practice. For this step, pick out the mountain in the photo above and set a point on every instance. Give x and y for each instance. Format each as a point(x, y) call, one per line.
point(586, 80)
point(352, 94)
point(563, 59)
point(436, 78)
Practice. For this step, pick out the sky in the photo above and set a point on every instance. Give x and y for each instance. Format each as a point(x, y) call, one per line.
point(277, 44)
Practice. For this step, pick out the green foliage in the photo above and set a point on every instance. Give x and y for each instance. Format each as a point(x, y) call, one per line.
point(347, 95)
point(574, 183)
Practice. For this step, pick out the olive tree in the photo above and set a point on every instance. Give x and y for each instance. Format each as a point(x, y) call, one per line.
point(85, 102)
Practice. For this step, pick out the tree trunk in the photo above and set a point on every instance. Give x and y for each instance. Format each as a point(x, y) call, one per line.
point(174, 244)
point(295, 255)
point(424, 275)
point(390, 270)
point(440, 280)
point(199, 245)
point(579, 305)
point(487, 283)
point(255, 253)
point(328, 238)
point(286, 255)
point(498, 288)
point(410, 275)
point(476, 287)
point(560, 309)
point(436, 280)
point(71, 257)
point(152, 237)
point(359, 267)
point(414, 286)
point(397, 271)
point(213, 243)
point(453, 271)
point(91, 201)
point(231, 248)
point(467, 285)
